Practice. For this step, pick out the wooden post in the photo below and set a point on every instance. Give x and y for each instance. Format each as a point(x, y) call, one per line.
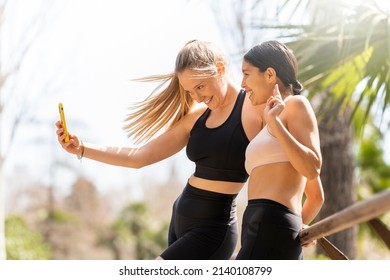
point(332, 251)
point(359, 212)
point(381, 229)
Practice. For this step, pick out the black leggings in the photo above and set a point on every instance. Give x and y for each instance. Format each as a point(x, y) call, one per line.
point(203, 226)
point(270, 231)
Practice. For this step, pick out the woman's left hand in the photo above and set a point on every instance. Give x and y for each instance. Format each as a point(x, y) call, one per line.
point(311, 243)
point(275, 105)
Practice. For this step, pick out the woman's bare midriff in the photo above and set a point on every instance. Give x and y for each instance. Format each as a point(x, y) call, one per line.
point(279, 182)
point(215, 186)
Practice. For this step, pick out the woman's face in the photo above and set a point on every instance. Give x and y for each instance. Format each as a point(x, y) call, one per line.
point(208, 90)
point(255, 83)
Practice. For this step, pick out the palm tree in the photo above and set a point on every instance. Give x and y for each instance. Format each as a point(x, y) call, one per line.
point(344, 57)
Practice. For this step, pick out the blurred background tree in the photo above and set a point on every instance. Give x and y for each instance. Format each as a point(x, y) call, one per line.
point(17, 107)
point(22, 243)
point(82, 225)
point(343, 53)
point(136, 234)
point(344, 60)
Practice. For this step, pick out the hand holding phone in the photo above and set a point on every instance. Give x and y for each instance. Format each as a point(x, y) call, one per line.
point(62, 116)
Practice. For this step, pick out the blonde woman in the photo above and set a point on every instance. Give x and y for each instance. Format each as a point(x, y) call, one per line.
point(283, 160)
point(216, 134)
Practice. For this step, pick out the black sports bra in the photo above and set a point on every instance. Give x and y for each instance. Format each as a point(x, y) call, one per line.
point(219, 153)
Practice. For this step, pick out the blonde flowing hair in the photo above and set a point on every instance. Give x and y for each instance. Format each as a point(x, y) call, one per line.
point(165, 106)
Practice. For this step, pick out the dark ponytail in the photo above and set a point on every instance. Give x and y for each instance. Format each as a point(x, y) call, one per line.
point(296, 87)
point(276, 55)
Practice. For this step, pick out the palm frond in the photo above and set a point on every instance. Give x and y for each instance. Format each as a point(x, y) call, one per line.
point(350, 60)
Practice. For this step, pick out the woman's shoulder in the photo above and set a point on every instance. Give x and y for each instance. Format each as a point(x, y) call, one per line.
point(197, 110)
point(193, 115)
point(298, 104)
point(297, 101)
point(297, 98)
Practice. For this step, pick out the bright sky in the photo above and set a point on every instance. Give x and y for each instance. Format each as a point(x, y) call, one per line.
point(89, 52)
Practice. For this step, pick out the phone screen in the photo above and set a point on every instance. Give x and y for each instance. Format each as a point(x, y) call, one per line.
point(62, 116)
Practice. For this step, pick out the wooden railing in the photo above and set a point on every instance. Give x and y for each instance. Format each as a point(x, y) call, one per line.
point(364, 211)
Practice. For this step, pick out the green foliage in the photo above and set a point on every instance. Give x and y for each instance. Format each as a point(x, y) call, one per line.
point(137, 231)
point(348, 57)
point(316, 257)
point(59, 216)
point(22, 243)
point(373, 175)
point(372, 169)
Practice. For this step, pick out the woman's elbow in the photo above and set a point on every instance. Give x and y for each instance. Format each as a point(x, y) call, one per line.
point(309, 171)
point(315, 169)
point(310, 166)
point(312, 174)
point(135, 159)
point(321, 199)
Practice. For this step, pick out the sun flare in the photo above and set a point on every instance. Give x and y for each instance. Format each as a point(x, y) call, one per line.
point(382, 4)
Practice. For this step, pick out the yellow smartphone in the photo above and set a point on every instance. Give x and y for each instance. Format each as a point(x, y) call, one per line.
point(62, 116)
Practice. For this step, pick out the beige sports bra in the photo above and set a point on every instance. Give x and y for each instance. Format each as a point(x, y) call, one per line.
point(263, 149)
